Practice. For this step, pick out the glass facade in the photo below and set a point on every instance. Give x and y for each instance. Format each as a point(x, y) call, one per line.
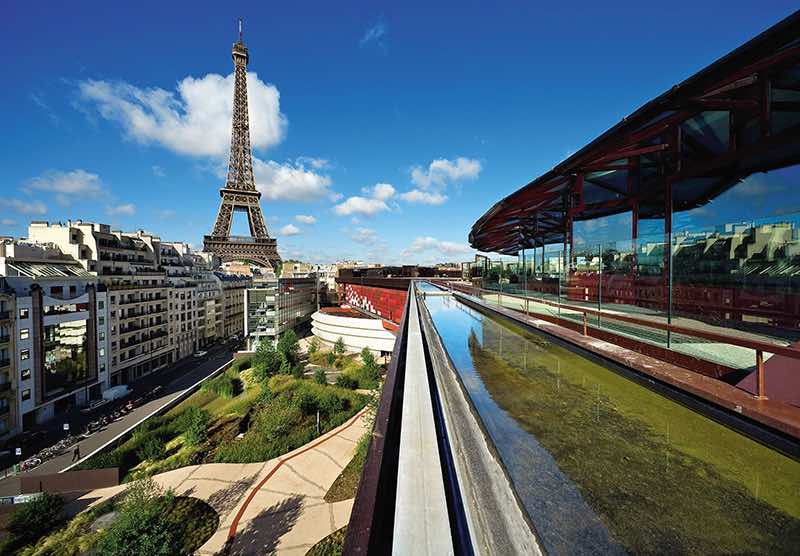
point(65, 356)
point(729, 266)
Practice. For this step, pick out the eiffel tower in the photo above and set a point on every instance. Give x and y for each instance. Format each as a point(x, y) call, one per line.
point(239, 192)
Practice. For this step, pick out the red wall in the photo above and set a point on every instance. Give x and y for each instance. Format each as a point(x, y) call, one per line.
point(386, 303)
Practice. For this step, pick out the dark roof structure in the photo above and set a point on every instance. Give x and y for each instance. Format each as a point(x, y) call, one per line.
point(738, 116)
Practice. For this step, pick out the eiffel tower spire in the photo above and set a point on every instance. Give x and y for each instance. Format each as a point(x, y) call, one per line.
point(239, 192)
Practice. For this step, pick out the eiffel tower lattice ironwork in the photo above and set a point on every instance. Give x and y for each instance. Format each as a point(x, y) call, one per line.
point(239, 192)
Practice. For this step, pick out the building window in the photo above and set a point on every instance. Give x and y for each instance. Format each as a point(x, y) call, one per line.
point(23, 313)
point(113, 299)
point(101, 304)
point(102, 352)
point(101, 321)
point(24, 354)
point(102, 336)
point(26, 394)
point(25, 374)
point(24, 334)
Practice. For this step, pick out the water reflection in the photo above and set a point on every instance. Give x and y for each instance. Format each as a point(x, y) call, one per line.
point(603, 465)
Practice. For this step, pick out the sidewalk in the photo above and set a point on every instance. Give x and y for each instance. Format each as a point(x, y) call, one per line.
point(276, 507)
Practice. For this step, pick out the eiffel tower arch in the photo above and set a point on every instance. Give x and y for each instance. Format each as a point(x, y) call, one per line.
point(239, 192)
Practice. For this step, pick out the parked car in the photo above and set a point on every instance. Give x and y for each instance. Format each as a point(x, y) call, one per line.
point(117, 392)
point(200, 353)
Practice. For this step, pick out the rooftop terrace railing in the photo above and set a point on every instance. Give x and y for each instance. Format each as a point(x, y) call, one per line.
point(409, 498)
point(759, 347)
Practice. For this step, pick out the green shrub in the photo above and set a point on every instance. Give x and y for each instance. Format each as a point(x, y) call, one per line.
point(313, 346)
point(33, 520)
point(225, 385)
point(153, 448)
point(141, 528)
point(306, 401)
point(346, 381)
point(339, 348)
point(298, 370)
point(319, 376)
point(331, 358)
point(330, 404)
point(193, 424)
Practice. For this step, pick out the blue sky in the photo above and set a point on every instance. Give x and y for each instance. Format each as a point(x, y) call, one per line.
point(393, 125)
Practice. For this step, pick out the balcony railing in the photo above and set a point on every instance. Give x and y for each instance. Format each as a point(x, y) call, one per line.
point(5, 362)
point(4, 315)
point(5, 387)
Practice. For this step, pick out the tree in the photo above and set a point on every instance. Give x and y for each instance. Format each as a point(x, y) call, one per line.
point(367, 358)
point(370, 366)
point(34, 519)
point(289, 350)
point(319, 376)
point(339, 347)
point(330, 358)
point(267, 360)
point(313, 346)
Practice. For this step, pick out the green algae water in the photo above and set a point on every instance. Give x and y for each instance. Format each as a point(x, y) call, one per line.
point(604, 465)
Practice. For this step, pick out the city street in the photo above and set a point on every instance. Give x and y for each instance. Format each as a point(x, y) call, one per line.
point(182, 376)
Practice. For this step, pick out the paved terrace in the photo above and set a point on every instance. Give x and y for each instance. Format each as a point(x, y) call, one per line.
point(274, 507)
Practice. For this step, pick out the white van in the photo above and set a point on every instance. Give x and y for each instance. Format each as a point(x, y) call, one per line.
point(116, 392)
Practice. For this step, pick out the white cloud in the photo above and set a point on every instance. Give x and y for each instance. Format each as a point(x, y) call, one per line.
point(423, 197)
point(366, 236)
point(67, 185)
point(368, 206)
point(8, 222)
point(193, 120)
point(290, 181)
point(316, 163)
point(158, 171)
point(290, 230)
point(35, 208)
point(442, 172)
point(360, 205)
point(428, 244)
point(166, 214)
point(125, 209)
point(382, 191)
point(306, 219)
point(375, 34)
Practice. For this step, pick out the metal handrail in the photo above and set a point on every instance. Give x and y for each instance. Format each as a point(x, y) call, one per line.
point(371, 518)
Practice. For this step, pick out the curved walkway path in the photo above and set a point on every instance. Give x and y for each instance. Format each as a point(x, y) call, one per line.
point(276, 507)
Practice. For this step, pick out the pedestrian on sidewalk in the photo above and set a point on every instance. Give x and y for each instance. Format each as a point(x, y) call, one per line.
point(76, 453)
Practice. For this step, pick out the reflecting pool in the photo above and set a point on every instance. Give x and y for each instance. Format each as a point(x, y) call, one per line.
point(603, 465)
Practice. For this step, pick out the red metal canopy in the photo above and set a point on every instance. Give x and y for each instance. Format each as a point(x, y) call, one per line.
point(738, 116)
